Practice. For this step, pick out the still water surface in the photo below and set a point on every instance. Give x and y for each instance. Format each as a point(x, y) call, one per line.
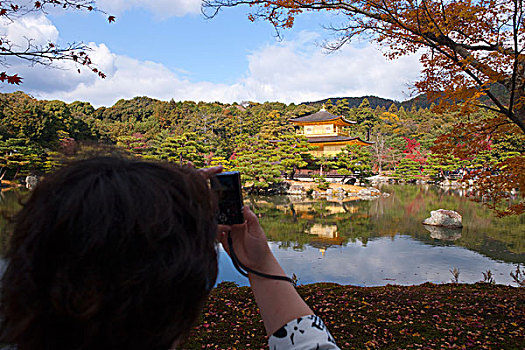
point(377, 242)
point(370, 243)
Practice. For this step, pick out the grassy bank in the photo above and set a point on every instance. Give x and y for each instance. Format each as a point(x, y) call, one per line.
point(428, 316)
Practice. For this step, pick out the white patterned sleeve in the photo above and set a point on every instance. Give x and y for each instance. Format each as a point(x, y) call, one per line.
point(304, 333)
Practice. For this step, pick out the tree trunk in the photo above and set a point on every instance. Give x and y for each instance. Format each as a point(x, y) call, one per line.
point(292, 173)
point(294, 213)
point(378, 146)
point(519, 118)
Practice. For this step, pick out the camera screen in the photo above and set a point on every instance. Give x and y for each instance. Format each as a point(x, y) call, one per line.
point(228, 187)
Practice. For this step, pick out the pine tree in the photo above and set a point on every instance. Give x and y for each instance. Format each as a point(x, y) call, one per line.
point(354, 160)
point(293, 153)
point(343, 107)
point(407, 169)
point(20, 157)
point(187, 148)
point(258, 162)
point(365, 117)
point(438, 166)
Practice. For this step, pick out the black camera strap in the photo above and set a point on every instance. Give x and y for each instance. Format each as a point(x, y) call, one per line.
point(244, 270)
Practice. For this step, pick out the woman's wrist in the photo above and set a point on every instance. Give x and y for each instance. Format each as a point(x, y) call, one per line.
point(270, 266)
point(278, 300)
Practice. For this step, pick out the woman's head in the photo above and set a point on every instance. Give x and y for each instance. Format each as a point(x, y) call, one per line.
point(109, 253)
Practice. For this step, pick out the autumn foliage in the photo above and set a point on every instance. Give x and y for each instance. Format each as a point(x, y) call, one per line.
point(412, 151)
point(494, 150)
point(466, 46)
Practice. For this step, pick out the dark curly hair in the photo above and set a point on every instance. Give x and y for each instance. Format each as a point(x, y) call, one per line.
point(109, 253)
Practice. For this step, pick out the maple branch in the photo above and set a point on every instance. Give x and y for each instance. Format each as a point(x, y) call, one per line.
point(12, 10)
point(36, 54)
point(488, 130)
point(515, 27)
point(432, 41)
point(488, 108)
point(482, 86)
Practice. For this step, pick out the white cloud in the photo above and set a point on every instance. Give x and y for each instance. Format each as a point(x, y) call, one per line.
point(161, 8)
point(287, 72)
point(290, 71)
point(38, 28)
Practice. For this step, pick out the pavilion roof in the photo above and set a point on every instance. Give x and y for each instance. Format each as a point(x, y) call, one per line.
point(321, 116)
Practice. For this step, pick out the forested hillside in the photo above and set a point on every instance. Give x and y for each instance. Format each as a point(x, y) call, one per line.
point(353, 102)
point(256, 138)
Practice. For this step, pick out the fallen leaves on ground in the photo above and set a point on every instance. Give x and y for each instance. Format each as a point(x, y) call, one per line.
point(428, 316)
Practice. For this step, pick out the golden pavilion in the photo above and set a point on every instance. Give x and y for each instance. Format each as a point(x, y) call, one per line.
point(325, 131)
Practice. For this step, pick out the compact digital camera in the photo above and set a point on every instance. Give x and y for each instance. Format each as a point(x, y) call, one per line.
point(227, 185)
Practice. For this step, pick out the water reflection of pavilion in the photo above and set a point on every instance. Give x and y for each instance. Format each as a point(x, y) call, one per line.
point(326, 235)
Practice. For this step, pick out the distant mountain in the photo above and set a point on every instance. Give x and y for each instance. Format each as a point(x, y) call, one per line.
point(420, 101)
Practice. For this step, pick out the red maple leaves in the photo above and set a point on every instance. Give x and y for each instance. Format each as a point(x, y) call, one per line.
point(412, 151)
point(11, 79)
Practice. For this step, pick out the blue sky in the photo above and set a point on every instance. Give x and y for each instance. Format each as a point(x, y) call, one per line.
point(166, 49)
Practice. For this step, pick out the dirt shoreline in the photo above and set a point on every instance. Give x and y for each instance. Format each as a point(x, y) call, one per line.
point(427, 316)
point(333, 185)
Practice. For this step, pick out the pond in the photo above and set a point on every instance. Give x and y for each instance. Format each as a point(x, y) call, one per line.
point(378, 242)
point(382, 241)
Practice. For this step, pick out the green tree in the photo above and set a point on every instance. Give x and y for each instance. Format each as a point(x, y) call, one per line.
point(365, 117)
point(293, 153)
point(343, 107)
point(330, 107)
point(18, 157)
point(439, 165)
point(408, 169)
point(222, 161)
point(24, 117)
point(136, 144)
point(189, 147)
point(64, 121)
point(258, 162)
point(326, 163)
point(354, 160)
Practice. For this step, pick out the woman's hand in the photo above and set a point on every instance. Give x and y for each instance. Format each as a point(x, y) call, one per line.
point(278, 300)
point(207, 173)
point(250, 244)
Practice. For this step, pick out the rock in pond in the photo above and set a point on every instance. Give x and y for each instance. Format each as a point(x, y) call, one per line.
point(297, 190)
point(444, 218)
point(369, 192)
